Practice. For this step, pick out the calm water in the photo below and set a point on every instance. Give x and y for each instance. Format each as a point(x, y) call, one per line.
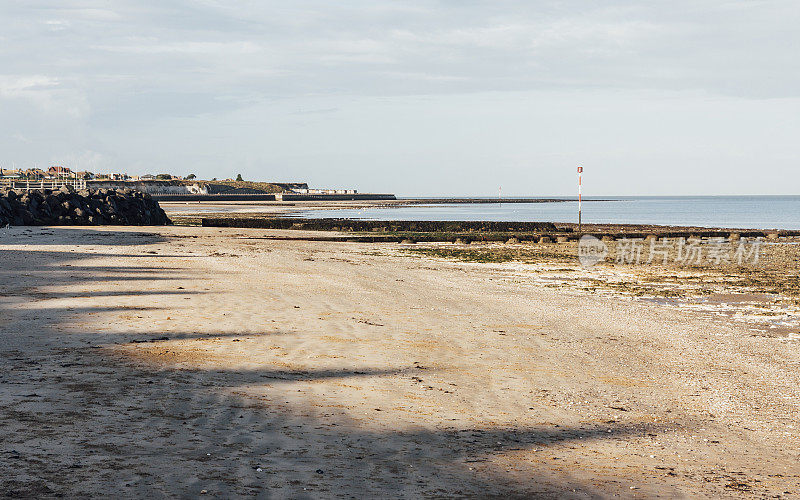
point(756, 212)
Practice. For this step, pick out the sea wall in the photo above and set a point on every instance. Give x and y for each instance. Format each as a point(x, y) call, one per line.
point(214, 197)
point(334, 197)
point(81, 208)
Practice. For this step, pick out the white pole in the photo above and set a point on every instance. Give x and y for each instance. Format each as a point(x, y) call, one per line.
point(580, 196)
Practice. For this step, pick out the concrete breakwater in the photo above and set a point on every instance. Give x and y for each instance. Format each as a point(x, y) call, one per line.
point(373, 231)
point(69, 207)
point(370, 225)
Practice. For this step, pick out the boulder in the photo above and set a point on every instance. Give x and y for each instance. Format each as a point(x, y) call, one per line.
point(68, 207)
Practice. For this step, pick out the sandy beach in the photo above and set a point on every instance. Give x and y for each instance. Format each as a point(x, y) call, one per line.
point(182, 361)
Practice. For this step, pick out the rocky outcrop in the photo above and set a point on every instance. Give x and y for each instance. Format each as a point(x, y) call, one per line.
point(150, 187)
point(79, 208)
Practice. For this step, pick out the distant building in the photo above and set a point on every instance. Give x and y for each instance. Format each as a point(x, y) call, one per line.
point(323, 191)
point(35, 173)
point(60, 171)
point(147, 177)
point(10, 173)
point(113, 176)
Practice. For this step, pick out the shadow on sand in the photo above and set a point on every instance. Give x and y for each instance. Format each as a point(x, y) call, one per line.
point(77, 422)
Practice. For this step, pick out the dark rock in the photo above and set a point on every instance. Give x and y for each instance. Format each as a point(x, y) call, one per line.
point(85, 207)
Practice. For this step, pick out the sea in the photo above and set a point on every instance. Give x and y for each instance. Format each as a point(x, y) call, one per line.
point(742, 212)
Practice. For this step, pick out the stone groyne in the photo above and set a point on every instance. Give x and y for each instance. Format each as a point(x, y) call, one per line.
point(79, 208)
point(338, 224)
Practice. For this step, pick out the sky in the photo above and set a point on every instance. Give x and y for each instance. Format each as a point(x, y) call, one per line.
point(437, 97)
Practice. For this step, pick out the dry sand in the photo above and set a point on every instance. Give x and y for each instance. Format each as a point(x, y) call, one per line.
point(179, 361)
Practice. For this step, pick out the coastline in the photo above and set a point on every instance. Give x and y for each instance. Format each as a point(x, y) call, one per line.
point(272, 206)
point(290, 216)
point(278, 367)
point(764, 213)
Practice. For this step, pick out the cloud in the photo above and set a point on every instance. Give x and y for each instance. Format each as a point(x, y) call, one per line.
point(21, 138)
point(89, 75)
point(48, 94)
point(364, 48)
point(86, 160)
point(13, 86)
point(154, 46)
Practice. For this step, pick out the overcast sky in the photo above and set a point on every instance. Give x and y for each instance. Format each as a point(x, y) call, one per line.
point(450, 97)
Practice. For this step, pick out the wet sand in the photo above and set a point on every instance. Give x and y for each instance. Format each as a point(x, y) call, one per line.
point(180, 361)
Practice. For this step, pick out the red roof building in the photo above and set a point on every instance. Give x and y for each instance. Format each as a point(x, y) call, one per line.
point(59, 171)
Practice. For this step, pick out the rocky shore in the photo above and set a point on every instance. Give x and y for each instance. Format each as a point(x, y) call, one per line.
point(79, 208)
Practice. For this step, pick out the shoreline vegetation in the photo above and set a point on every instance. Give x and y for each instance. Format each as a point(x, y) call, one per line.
point(776, 273)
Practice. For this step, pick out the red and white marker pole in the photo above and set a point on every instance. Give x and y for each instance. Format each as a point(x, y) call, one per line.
point(580, 196)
